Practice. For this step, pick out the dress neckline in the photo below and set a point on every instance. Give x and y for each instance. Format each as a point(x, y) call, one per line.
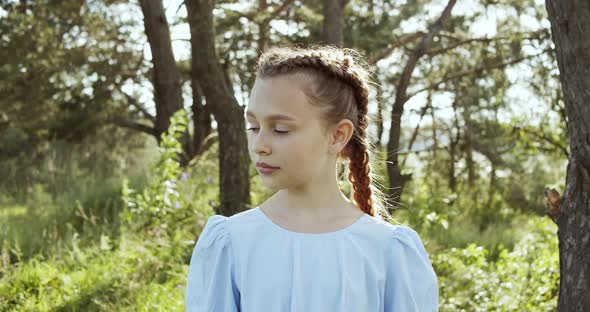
point(341, 231)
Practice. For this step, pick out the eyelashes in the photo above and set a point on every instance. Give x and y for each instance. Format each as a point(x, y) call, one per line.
point(277, 131)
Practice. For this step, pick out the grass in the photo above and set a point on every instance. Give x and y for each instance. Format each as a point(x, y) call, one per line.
point(98, 279)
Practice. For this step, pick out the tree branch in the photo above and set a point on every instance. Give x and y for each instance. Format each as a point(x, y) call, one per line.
point(492, 156)
point(251, 16)
point(278, 10)
point(403, 40)
point(476, 70)
point(404, 82)
point(423, 111)
point(544, 137)
point(126, 123)
point(533, 35)
point(133, 102)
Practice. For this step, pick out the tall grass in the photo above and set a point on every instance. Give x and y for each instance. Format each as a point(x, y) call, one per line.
point(141, 269)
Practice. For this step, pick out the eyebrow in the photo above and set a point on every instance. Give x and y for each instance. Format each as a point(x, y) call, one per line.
point(273, 117)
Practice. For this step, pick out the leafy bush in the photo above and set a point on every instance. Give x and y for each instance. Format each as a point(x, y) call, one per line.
point(159, 205)
point(523, 279)
point(98, 278)
point(142, 270)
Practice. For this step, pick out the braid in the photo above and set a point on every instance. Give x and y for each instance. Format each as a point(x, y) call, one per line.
point(359, 175)
point(334, 63)
point(338, 68)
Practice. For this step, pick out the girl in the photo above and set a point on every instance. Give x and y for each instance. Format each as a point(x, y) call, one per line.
point(308, 248)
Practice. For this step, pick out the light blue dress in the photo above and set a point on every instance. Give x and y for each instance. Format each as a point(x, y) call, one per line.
point(248, 263)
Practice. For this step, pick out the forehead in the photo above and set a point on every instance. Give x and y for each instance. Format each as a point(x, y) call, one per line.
point(279, 98)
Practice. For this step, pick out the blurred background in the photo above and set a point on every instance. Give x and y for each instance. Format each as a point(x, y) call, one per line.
point(115, 117)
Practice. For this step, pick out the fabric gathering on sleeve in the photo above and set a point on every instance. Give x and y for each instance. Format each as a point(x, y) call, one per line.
point(411, 283)
point(211, 281)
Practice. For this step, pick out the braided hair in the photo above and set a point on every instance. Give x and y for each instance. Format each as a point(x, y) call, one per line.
point(337, 80)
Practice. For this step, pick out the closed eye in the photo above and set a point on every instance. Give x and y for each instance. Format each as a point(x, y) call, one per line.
point(277, 131)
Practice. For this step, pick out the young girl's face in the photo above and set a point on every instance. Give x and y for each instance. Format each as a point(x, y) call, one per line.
point(284, 131)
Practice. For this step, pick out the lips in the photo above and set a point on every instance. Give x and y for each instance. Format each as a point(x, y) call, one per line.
point(265, 165)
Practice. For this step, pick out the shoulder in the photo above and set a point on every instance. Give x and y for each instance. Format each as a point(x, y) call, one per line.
point(406, 253)
point(222, 229)
point(408, 239)
point(214, 233)
point(243, 215)
point(397, 231)
point(242, 222)
point(388, 230)
point(398, 236)
point(411, 282)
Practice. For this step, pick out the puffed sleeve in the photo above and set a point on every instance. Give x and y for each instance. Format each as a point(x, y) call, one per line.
point(210, 283)
point(411, 283)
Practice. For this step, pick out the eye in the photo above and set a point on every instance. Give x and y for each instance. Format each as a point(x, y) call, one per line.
point(277, 131)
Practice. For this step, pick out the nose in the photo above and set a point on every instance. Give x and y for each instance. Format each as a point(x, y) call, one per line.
point(261, 143)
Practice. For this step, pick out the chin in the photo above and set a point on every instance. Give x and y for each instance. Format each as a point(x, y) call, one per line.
point(274, 184)
point(272, 187)
point(269, 183)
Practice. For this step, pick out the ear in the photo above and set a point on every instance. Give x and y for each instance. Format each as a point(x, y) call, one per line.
point(340, 134)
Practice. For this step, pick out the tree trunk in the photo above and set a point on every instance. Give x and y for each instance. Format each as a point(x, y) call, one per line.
point(263, 29)
point(397, 180)
point(453, 148)
point(201, 119)
point(166, 79)
point(467, 148)
point(333, 21)
point(379, 117)
point(234, 185)
point(434, 133)
point(570, 26)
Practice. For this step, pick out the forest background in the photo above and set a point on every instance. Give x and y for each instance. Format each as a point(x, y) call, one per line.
point(111, 154)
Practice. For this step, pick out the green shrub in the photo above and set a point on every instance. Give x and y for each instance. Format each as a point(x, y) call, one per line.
point(159, 205)
point(142, 270)
point(523, 279)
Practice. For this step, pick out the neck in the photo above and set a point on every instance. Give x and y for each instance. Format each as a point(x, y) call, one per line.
point(317, 199)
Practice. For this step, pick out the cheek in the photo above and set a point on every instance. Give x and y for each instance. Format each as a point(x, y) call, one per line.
point(298, 149)
point(301, 152)
point(249, 143)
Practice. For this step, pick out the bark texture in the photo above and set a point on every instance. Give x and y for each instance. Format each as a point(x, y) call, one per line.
point(570, 29)
point(166, 77)
point(234, 184)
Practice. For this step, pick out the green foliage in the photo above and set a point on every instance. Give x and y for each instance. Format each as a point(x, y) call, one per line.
point(142, 270)
point(523, 279)
point(62, 62)
point(90, 207)
point(128, 278)
point(159, 205)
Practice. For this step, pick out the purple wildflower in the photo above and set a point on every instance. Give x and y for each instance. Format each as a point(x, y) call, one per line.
point(184, 176)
